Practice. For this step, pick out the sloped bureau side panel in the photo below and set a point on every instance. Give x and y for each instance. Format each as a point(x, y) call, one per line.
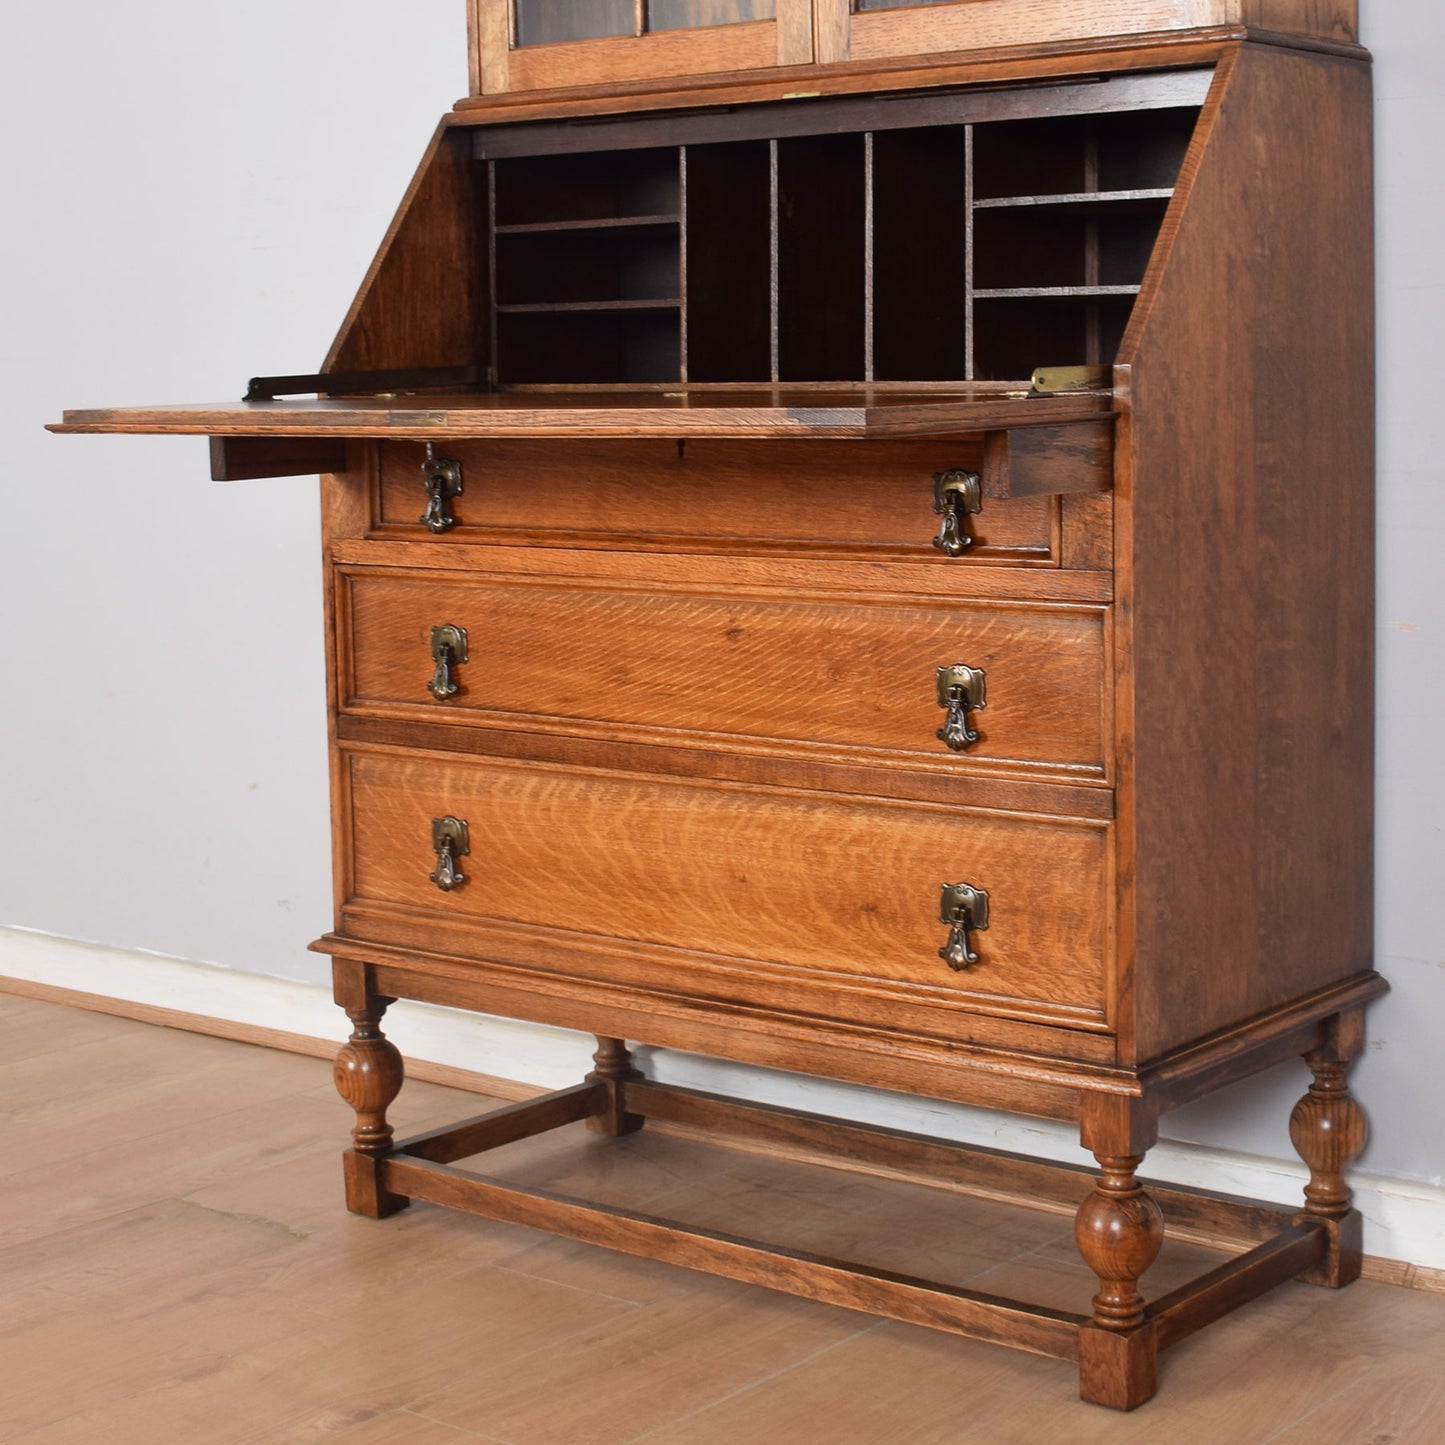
point(424, 300)
point(1247, 564)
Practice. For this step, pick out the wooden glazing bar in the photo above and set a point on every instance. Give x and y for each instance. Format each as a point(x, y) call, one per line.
point(1182, 1312)
point(830, 1281)
point(505, 1126)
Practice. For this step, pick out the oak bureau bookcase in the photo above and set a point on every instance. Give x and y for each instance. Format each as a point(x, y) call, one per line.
point(848, 538)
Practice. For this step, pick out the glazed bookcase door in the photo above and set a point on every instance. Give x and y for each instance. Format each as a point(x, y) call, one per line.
point(525, 45)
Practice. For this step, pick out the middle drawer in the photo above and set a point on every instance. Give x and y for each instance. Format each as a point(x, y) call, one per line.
point(817, 676)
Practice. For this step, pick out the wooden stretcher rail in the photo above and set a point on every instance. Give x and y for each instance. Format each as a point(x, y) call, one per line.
point(831, 1281)
point(420, 1168)
point(505, 1126)
point(974, 1169)
point(1191, 1307)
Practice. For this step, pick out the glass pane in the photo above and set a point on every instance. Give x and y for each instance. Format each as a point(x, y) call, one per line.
point(544, 22)
point(894, 4)
point(686, 14)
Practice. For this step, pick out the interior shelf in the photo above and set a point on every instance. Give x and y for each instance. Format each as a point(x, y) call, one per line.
point(661, 303)
point(886, 250)
point(1024, 293)
point(1076, 198)
point(592, 223)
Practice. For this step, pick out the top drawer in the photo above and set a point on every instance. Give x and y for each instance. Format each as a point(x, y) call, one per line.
point(840, 498)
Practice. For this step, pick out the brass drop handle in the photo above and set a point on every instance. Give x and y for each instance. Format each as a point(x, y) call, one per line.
point(956, 497)
point(448, 648)
point(965, 909)
point(443, 478)
point(961, 690)
point(449, 841)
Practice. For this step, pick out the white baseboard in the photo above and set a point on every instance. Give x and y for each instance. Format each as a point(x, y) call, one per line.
point(1404, 1219)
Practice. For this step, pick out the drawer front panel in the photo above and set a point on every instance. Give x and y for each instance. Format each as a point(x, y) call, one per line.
point(789, 675)
point(744, 878)
point(831, 495)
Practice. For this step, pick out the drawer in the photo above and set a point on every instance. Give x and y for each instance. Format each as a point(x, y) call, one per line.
point(827, 905)
point(836, 496)
point(785, 674)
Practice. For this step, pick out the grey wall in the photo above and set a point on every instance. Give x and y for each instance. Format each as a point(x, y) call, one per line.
point(199, 190)
point(196, 192)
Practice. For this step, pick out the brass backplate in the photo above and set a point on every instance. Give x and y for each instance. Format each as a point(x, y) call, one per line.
point(449, 638)
point(453, 830)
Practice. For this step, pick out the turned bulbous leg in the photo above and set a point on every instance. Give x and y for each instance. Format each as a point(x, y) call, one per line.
point(369, 1074)
point(613, 1067)
point(1328, 1129)
point(1119, 1230)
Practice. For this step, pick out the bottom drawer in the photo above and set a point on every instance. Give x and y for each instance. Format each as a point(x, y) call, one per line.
point(823, 904)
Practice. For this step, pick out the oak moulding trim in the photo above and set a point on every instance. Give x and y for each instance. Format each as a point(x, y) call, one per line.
point(1144, 52)
point(1149, 51)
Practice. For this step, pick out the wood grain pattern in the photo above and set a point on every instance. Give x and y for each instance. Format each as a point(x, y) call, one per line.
point(1252, 816)
point(711, 493)
point(691, 564)
point(237, 459)
point(829, 32)
point(930, 28)
point(847, 888)
point(1024, 1067)
point(788, 674)
point(1049, 462)
point(1190, 1308)
point(938, 28)
point(497, 1127)
point(834, 1281)
point(492, 45)
point(1117, 55)
point(757, 411)
point(423, 302)
point(795, 32)
point(1329, 19)
point(664, 55)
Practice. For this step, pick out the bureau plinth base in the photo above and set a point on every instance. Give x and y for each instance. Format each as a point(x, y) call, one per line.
point(1116, 1349)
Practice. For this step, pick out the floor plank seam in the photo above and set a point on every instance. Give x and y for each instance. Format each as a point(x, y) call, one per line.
point(864, 1329)
point(579, 1289)
point(1302, 1420)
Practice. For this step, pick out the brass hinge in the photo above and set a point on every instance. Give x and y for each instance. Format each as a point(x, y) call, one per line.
point(1049, 380)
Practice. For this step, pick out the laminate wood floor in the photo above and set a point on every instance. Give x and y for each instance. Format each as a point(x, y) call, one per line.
point(177, 1266)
